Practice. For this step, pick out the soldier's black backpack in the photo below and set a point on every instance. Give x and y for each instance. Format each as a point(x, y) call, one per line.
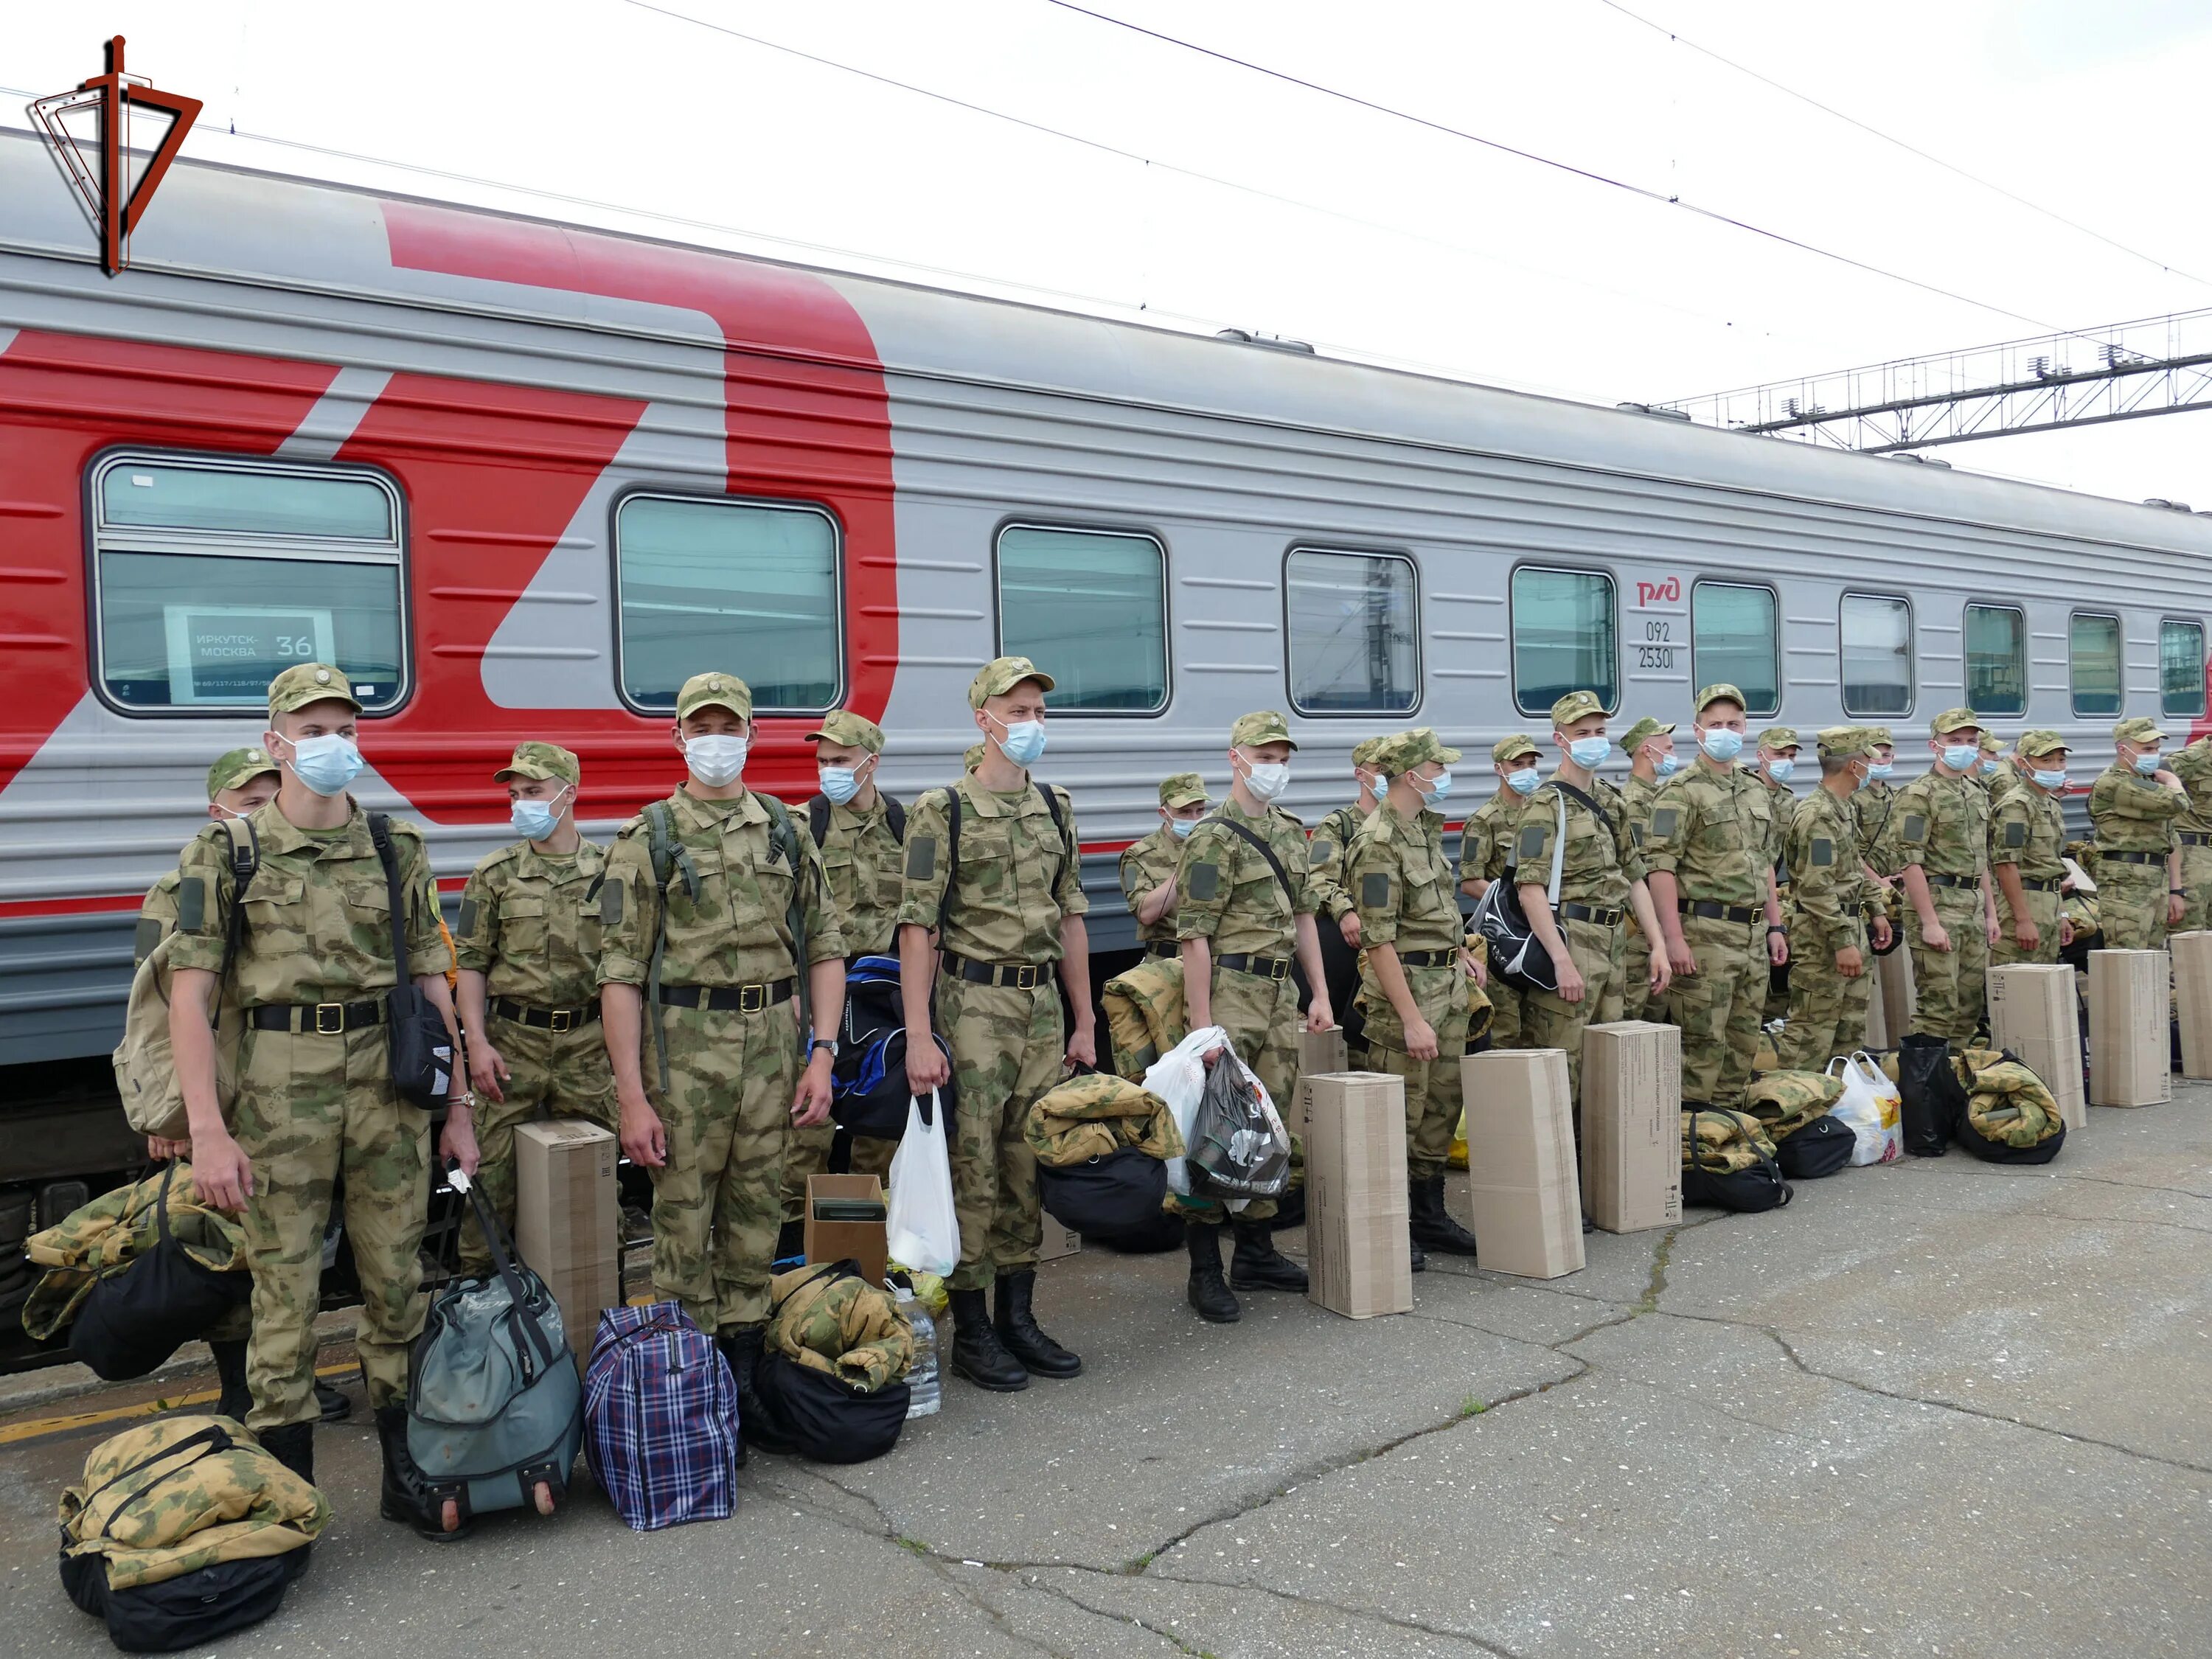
point(952, 839)
point(869, 1093)
point(818, 818)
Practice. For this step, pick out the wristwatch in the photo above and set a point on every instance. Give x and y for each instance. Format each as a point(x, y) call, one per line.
point(830, 1043)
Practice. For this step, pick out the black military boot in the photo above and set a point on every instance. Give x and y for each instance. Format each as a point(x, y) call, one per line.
point(292, 1445)
point(1209, 1293)
point(236, 1398)
point(1019, 1331)
point(331, 1401)
point(742, 1348)
point(1433, 1227)
point(977, 1353)
point(1258, 1265)
point(407, 1496)
point(1420, 1263)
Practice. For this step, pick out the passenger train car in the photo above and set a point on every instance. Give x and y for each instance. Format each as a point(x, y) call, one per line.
point(521, 478)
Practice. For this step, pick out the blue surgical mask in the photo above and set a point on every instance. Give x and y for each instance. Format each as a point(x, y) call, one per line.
point(1721, 744)
point(2051, 779)
point(1880, 771)
point(1525, 780)
point(534, 820)
point(840, 783)
point(2145, 764)
point(1781, 770)
point(1181, 828)
point(1667, 765)
point(325, 764)
point(1023, 741)
point(1590, 753)
point(1960, 757)
point(1989, 768)
point(1434, 790)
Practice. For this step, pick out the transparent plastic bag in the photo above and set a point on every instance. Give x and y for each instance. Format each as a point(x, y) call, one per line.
point(922, 1227)
point(1871, 1105)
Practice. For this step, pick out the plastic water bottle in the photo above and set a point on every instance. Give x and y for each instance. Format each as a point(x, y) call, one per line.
point(922, 1384)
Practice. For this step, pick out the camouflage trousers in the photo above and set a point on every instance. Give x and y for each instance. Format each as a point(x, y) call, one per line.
point(552, 1073)
point(1432, 1086)
point(1827, 1012)
point(310, 1109)
point(728, 1111)
point(2131, 905)
point(1008, 1046)
point(1949, 987)
point(1549, 1021)
point(2196, 877)
point(809, 1155)
point(1262, 1018)
point(1718, 1007)
point(1636, 1001)
point(1505, 1009)
point(2043, 911)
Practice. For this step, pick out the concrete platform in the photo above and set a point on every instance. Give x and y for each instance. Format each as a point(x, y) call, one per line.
point(1941, 1407)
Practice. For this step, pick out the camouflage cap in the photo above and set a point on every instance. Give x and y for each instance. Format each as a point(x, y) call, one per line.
point(2041, 741)
point(1575, 706)
point(1713, 694)
point(1991, 743)
point(1643, 732)
point(1882, 734)
point(1512, 748)
point(1955, 719)
point(1001, 675)
point(1780, 738)
point(1183, 789)
point(1402, 752)
point(853, 731)
point(1365, 751)
point(1836, 740)
point(2141, 729)
point(237, 769)
point(304, 683)
point(1264, 726)
point(714, 691)
point(548, 762)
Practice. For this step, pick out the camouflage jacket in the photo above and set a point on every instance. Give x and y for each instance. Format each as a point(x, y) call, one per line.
point(1715, 831)
point(735, 929)
point(2028, 828)
point(1874, 807)
point(1231, 897)
point(2193, 766)
point(1402, 883)
point(1941, 824)
point(1785, 802)
point(839, 1324)
point(157, 914)
point(2132, 814)
point(1827, 886)
point(1145, 1014)
point(1600, 862)
point(317, 912)
point(529, 924)
point(1640, 797)
point(1145, 864)
point(1018, 877)
point(1095, 1115)
point(1485, 841)
point(861, 859)
point(1330, 841)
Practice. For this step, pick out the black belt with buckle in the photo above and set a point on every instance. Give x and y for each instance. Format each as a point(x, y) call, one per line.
point(1019, 975)
point(1601, 916)
point(1427, 958)
point(1712, 910)
point(1936, 880)
point(316, 1018)
point(1165, 947)
point(2194, 838)
point(545, 1019)
point(1262, 967)
point(740, 998)
point(2039, 884)
point(2131, 858)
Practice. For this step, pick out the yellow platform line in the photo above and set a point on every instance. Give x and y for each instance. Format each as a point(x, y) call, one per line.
point(37, 1427)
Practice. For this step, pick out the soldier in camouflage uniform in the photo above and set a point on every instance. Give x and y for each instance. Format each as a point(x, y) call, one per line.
point(2193, 830)
point(529, 955)
point(862, 852)
point(1829, 978)
point(2134, 805)
point(1242, 929)
point(1777, 766)
point(1149, 866)
point(1994, 769)
point(1942, 832)
point(1601, 882)
point(1650, 746)
point(1710, 861)
point(1331, 837)
point(2028, 840)
point(315, 1098)
point(1486, 854)
point(1413, 979)
point(699, 956)
point(1007, 899)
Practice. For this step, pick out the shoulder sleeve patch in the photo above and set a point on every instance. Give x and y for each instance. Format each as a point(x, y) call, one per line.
point(1531, 842)
point(920, 857)
point(1321, 849)
point(1664, 820)
point(468, 916)
point(1375, 888)
point(611, 903)
point(149, 936)
point(2015, 833)
point(1824, 850)
point(192, 905)
point(1915, 827)
point(1636, 834)
point(1203, 881)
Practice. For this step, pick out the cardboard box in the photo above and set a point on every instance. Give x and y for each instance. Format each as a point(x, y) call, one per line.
point(567, 1219)
point(2131, 1052)
point(1360, 1257)
point(2031, 1013)
point(1059, 1240)
point(1631, 1156)
point(1522, 1169)
point(865, 1242)
point(1319, 1053)
point(1893, 984)
point(2192, 1000)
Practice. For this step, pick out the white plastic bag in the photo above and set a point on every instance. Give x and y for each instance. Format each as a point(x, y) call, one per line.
point(1871, 1106)
point(923, 1227)
point(1178, 1077)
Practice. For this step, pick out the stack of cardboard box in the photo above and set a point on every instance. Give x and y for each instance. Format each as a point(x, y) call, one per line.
point(2130, 1051)
point(2192, 1000)
point(567, 1219)
point(1631, 1156)
point(1358, 1253)
point(1523, 1174)
point(2032, 1014)
point(1320, 1053)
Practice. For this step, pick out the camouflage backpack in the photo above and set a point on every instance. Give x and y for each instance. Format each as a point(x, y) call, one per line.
point(1145, 1015)
point(1096, 1114)
point(1785, 1102)
point(2011, 1116)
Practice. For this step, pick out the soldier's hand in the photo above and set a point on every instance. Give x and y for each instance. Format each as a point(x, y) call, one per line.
point(2168, 779)
point(2026, 934)
point(1777, 950)
point(1662, 975)
point(1421, 1040)
point(486, 1068)
point(1935, 938)
point(927, 1068)
point(1472, 961)
point(1679, 957)
point(1083, 1048)
point(1992, 930)
point(1319, 1016)
point(1348, 925)
point(644, 1136)
point(1881, 933)
point(810, 1103)
point(458, 1143)
point(2065, 932)
point(2175, 906)
point(1849, 962)
point(160, 1149)
point(223, 1174)
point(1570, 979)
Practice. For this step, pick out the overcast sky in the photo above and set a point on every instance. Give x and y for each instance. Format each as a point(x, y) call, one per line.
point(1365, 234)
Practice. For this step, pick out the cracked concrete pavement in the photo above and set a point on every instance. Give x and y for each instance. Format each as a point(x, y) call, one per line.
point(1939, 1408)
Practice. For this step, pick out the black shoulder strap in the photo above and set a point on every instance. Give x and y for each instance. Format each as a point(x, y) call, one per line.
point(1059, 823)
point(244, 859)
point(380, 831)
point(1260, 845)
point(1573, 794)
point(897, 813)
point(951, 854)
point(818, 818)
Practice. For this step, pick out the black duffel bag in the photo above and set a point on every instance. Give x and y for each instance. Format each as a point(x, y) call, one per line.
point(808, 1414)
point(869, 1094)
point(133, 1319)
point(1747, 1191)
point(1930, 1101)
point(188, 1611)
point(1820, 1148)
point(1118, 1196)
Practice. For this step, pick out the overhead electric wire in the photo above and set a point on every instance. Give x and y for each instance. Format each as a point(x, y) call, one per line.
point(1503, 148)
point(1900, 143)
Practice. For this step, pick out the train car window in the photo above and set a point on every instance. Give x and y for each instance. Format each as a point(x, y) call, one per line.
point(1877, 655)
point(748, 586)
point(212, 577)
point(1996, 637)
point(1566, 638)
point(1734, 639)
point(1090, 608)
point(2093, 651)
point(2180, 668)
point(1354, 637)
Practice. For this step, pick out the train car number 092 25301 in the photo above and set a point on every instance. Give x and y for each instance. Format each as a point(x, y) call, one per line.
point(1656, 650)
